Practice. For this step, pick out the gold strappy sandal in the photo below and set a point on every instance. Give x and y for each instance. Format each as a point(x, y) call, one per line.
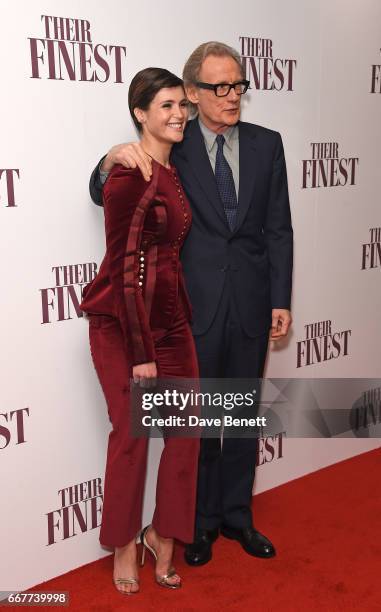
point(161, 580)
point(123, 581)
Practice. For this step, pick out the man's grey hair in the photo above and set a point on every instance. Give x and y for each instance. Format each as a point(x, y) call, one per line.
point(191, 72)
point(192, 66)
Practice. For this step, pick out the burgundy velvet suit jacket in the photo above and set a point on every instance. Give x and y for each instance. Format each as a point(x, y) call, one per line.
point(140, 279)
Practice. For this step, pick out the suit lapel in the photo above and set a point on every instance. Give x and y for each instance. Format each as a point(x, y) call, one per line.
point(247, 172)
point(194, 152)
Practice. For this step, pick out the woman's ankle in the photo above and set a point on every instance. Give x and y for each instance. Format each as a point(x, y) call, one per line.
point(155, 535)
point(129, 549)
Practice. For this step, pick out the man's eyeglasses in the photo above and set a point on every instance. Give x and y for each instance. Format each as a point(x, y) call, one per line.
point(223, 89)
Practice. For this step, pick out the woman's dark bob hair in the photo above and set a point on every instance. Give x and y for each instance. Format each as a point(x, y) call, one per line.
point(144, 87)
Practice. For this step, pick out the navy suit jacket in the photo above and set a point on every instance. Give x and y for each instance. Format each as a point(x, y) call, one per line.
point(257, 255)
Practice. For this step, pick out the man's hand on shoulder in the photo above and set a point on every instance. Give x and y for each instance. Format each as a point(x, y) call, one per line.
point(281, 321)
point(130, 155)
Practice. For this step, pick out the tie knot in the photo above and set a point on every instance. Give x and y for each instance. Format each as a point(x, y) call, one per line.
point(220, 140)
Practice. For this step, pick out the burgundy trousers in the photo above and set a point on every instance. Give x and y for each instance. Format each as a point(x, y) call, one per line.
point(174, 515)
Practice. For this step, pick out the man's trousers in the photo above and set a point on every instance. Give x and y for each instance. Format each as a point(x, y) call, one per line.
point(226, 471)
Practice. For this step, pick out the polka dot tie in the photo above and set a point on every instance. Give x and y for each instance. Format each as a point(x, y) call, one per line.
point(225, 183)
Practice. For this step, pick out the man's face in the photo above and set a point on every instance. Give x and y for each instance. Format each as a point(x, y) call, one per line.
point(217, 113)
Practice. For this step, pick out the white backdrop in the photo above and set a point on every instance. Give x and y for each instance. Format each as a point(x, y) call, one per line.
point(53, 423)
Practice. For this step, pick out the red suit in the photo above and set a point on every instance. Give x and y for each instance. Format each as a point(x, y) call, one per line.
point(139, 312)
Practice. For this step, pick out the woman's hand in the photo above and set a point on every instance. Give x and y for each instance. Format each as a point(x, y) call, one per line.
point(145, 374)
point(130, 155)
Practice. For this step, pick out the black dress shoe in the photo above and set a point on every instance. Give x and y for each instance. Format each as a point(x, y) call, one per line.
point(253, 542)
point(200, 551)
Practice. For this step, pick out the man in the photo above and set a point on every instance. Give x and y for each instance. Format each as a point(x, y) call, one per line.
point(237, 261)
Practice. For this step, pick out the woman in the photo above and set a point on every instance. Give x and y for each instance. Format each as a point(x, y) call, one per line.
point(139, 317)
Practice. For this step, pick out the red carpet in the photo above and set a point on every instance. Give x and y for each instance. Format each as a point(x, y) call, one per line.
point(327, 530)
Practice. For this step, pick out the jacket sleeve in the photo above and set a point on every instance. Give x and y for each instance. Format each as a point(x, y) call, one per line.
point(278, 232)
point(95, 185)
point(126, 199)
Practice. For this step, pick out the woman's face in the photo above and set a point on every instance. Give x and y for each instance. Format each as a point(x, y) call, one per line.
point(166, 116)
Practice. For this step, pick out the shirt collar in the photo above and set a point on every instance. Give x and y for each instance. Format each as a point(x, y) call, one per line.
point(210, 137)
